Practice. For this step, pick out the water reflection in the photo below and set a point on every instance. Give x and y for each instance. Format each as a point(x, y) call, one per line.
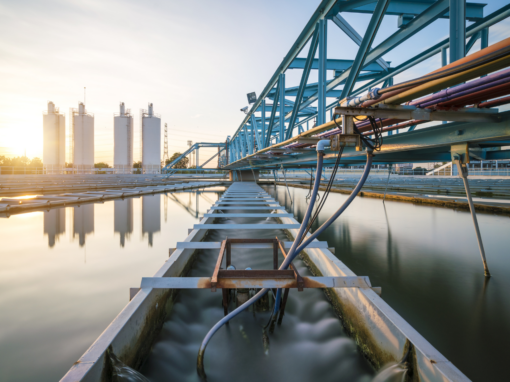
point(123, 219)
point(83, 221)
point(54, 225)
point(49, 295)
point(427, 262)
point(151, 216)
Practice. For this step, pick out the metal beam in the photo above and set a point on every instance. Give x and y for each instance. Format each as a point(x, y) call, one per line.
point(304, 80)
point(474, 11)
point(282, 108)
point(255, 282)
point(356, 37)
point(365, 46)
point(320, 13)
point(273, 113)
point(486, 22)
point(337, 64)
point(406, 113)
point(321, 83)
point(457, 29)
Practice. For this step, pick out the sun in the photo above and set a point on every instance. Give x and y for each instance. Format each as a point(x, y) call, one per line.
point(22, 136)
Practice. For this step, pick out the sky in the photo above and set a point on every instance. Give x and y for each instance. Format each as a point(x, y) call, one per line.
point(195, 60)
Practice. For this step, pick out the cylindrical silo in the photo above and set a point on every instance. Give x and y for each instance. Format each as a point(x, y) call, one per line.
point(123, 141)
point(83, 139)
point(151, 141)
point(54, 140)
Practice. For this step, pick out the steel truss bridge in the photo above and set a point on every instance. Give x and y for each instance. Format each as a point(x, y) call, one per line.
point(276, 131)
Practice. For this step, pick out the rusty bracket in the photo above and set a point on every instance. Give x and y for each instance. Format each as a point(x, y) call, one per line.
point(299, 280)
point(347, 138)
point(214, 278)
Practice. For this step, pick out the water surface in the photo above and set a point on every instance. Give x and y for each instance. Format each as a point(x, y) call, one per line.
point(65, 274)
point(309, 345)
point(427, 262)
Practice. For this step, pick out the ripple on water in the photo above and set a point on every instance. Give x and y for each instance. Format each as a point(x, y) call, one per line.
point(310, 345)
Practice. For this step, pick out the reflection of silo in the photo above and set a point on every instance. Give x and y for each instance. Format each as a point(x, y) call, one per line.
point(54, 140)
point(83, 221)
point(151, 141)
point(82, 142)
point(151, 215)
point(123, 141)
point(123, 218)
point(54, 224)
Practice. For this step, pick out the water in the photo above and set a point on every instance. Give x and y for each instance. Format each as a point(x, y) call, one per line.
point(310, 345)
point(65, 274)
point(427, 262)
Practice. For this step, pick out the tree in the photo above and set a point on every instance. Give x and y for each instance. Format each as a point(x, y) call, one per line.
point(36, 162)
point(137, 164)
point(183, 163)
point(101, 165)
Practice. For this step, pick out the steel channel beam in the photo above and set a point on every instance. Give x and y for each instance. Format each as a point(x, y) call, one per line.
point(237, 283)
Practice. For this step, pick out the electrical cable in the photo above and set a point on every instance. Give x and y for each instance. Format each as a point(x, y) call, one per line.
point(262, 292)
point(324, 196)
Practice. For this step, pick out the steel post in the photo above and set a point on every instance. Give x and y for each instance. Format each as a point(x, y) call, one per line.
point(281, 136)
point(323, 56)
point(463, 173)
point(457, 29)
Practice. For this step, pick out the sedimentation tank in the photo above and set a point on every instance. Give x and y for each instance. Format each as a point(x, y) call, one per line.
point(82, 142)
point(123, 141)
point(54, 140)
point(151, 141)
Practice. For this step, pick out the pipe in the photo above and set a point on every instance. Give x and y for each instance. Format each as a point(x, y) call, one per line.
point(346, 204)
point(492, 79)
point(259, 295)
point(355, 101)
point(494, 103)
point(399, 126)
point(454, 79)
point(456, 99)
point(480, 58)
point(478, 96)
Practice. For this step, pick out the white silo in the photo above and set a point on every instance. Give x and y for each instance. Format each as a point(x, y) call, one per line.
point(54, 140)
point(123, 141)
point(151, 216)
point(82, 129)
point(83, 221)
point(151, 141)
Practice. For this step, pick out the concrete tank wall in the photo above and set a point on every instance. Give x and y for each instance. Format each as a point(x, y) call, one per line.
point(123, 142)
point(54, 140)
point(83, 139)
point(151, 143)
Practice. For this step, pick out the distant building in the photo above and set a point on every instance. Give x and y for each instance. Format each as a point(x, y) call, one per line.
point(82, 140)
point(123, 141)
point(151, 141)
point(54, 140)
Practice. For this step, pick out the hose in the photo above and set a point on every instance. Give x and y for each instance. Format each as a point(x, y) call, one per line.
point(262, 292)
point(290, 256)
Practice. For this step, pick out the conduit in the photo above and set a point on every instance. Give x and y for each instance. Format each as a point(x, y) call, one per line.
point(293, 252)
point(445, 82)
point(482, 57)
point(491, 79)
point(262, 292)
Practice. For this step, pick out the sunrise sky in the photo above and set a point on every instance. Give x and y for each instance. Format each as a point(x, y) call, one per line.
point(194, 60)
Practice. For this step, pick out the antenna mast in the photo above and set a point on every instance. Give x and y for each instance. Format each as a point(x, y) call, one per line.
point(165, 152)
